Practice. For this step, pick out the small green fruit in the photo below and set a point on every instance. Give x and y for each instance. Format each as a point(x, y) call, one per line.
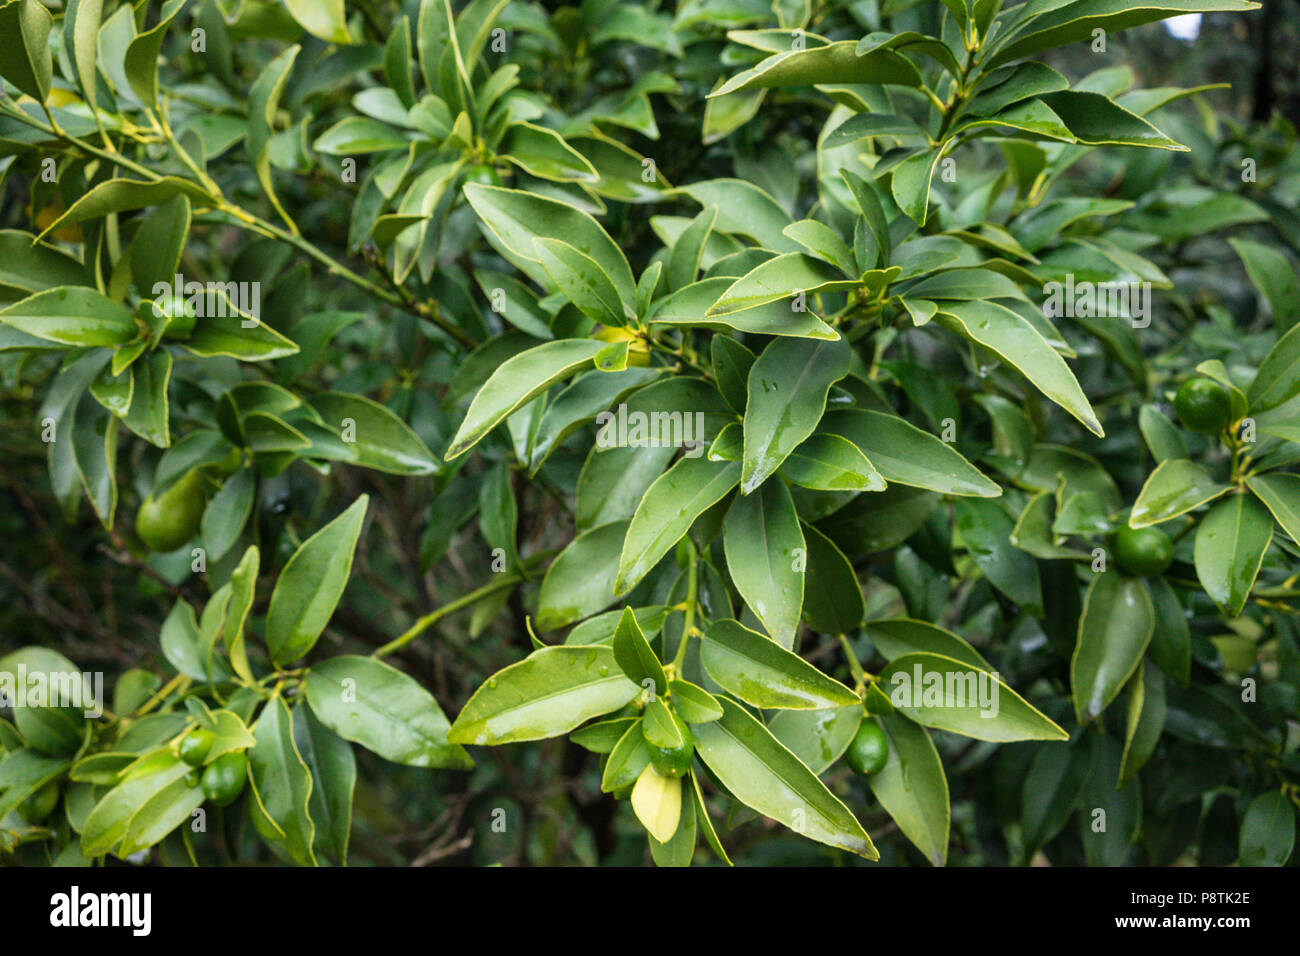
point(674, 761)
point(224, 778)
point(869, 751)
point(1203, 406)
point(195, 745)
point(1142, 552)
point(166, 522)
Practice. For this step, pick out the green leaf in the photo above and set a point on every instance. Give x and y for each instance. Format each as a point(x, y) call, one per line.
point(761, 672)
point(910, 184)
point(583, 282)
point(667, 511)
point(912, 787)
point(1052, 790)
point(1019, 344)
point(358, 430)
point(1176, 487)
point(547, 694)
point(377, 706)
point(72, 315)
point(1096, 120)
point(906, 455)
point(580, 581)
point(108, 822)
point(985, 529)
point(779, 279)
point(517, 381)
point(25, 55)
point(693, 704)
point(321, 18)
point(516, 218)
point(764, 775)
point(36, 266)
point(1268, 830)
point(831, 463)
point(765, 552)
point(148, 415)
point(1276, 281)
point(834, 63)
point(283, 785)
point(1161, 435)
point(635, 658)
point(817, 737)
point(1114, 630)
point(832, 599)
point(1281, 495)
point(689, 306)
point(630, 756)
point(786, 396)
point(358, 135)
point(333, 769)
point(141, 62)
point(1144, 720)
point(894, 637)
point(263, 104)
point(311, 584)
point(158, 243)
point(948, 694)
point(1278, 378)
point(1230, 544)
point(543, 153)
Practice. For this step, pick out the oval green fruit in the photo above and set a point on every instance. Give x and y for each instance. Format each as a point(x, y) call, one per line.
point(869, 751)
point(195, 745)
point(483, 174)
point(1142, 552)
point(168, 521)
point(40, 804)
point(224, 778)
point(674, 761)
point(1203, 406)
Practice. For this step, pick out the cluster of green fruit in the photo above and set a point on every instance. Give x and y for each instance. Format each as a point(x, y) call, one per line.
point(221, 780)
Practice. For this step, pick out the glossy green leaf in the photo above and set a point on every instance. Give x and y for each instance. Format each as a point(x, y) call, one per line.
point(1018, 343)
point(1176, 487)
point(787, 389)
point(283, 785)
point(906, 455)
point(1230, 544)
point(311, 584)
point(767, 777)
point(377, 706)
point(667, 511)
point(1114, 630)
point(948, 694)
point(766, 556)
point(913, 788)
point(761, 672)
point(548, 693)
point(517, 381)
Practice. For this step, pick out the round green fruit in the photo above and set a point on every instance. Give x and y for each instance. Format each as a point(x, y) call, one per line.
point(1203, 406)
point(195, 745)
point(1142, 552)
point(869, 751)
point(166, 522)
point(40, 804)
point(483, 174)
point(223, 780)
point(674, 761)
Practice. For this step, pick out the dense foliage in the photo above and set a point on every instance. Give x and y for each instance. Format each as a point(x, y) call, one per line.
point(838, 432)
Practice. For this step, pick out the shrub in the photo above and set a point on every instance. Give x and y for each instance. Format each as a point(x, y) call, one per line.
point(853, 363)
